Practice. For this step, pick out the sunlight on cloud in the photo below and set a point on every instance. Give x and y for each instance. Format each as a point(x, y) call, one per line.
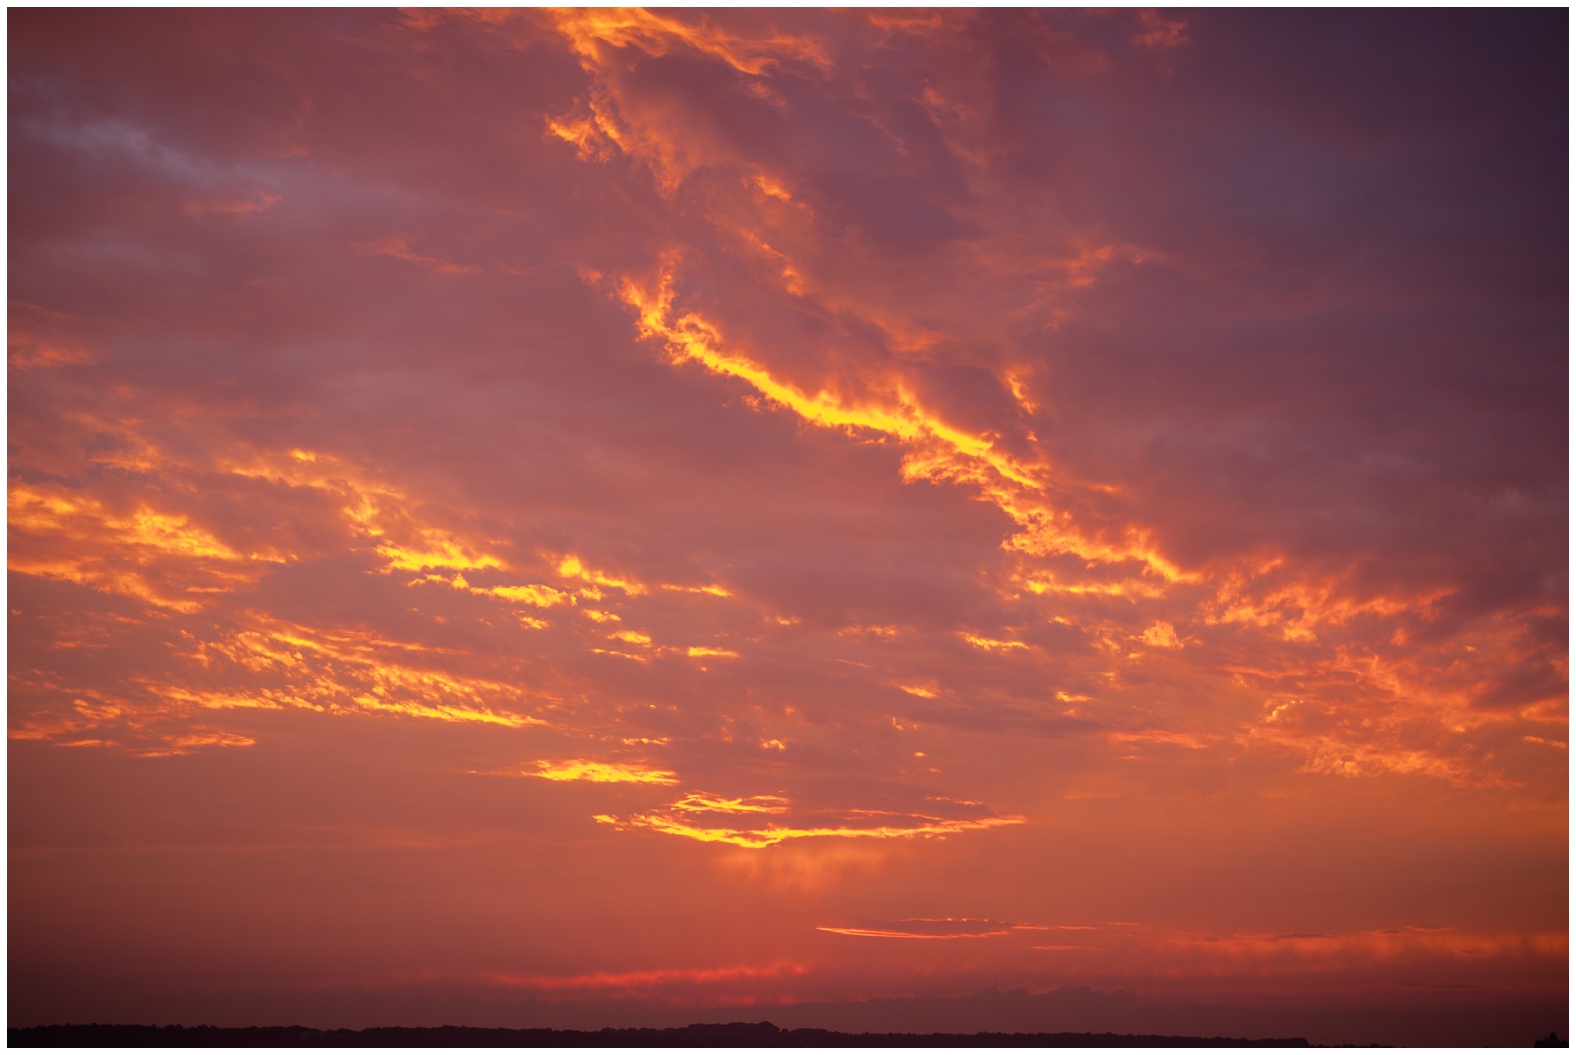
point(602, 772)
point(688, 817)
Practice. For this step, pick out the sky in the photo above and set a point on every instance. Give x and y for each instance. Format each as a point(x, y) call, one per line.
point(595, 517)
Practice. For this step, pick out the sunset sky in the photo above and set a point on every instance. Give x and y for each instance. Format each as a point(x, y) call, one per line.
point(586, 518)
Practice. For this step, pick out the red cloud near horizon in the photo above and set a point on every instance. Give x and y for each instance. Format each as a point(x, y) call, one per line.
point(934, 468)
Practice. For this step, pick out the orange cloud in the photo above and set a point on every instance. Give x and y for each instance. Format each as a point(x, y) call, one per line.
point(865, 351)
point(703, 651)
point(400, 249)
point(180, 745)
point(345, 670)
point(683, 818)
point(571, 567)
point(944, 929)
point(233, 206)
point(60, 534)
point(653, 978)
point(602, 772)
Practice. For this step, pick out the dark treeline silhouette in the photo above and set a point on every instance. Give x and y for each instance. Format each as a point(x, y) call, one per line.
point(730, 1035)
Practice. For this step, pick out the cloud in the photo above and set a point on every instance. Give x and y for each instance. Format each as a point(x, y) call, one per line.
point(759, 821)
point(646, 980)
point(890, 448)
point(928, 928)
point(601, 772)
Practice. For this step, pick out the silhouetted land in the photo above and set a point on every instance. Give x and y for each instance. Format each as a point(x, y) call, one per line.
point(731, 1035)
